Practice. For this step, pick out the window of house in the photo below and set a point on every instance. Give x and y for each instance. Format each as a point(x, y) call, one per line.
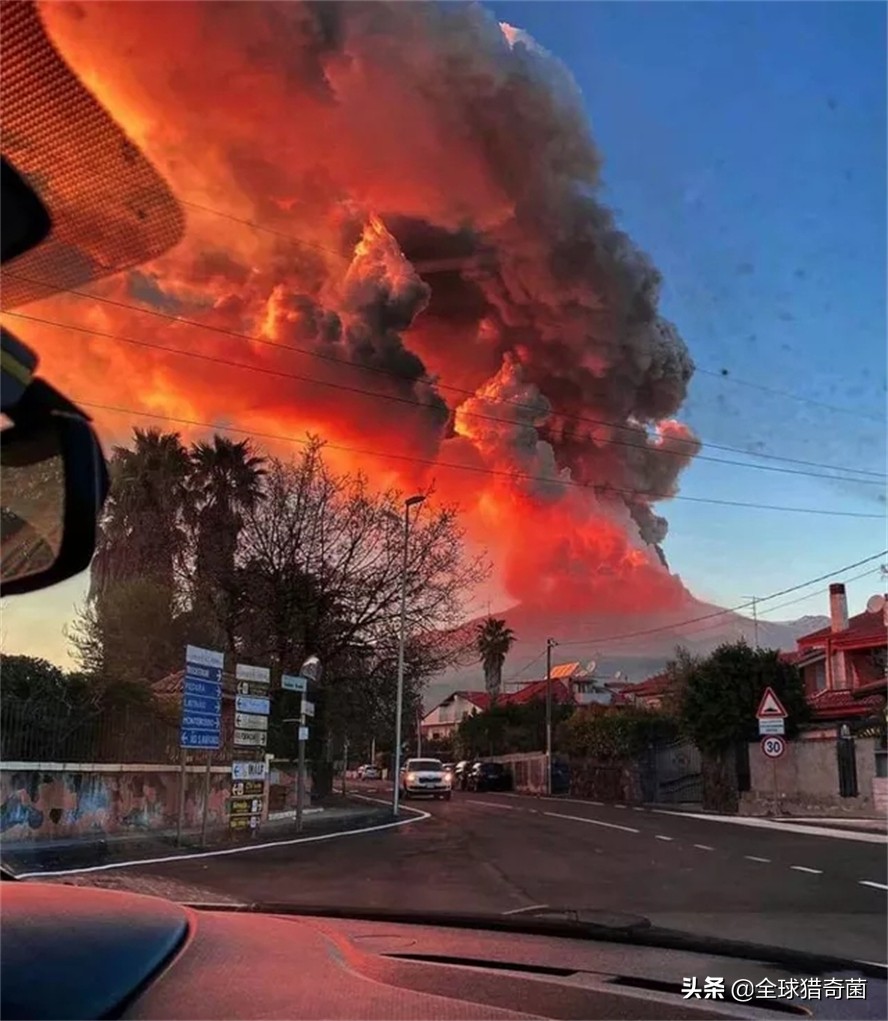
point(818, 673)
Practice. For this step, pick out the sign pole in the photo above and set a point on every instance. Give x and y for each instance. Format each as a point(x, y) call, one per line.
point(774, 785)
point(206, 801)
point(300, 782)
point(182, 775)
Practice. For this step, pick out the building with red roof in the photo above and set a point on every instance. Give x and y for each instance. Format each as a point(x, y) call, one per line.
point(843, 665)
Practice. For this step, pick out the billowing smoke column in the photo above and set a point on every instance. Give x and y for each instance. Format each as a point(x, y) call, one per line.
point(413, 236)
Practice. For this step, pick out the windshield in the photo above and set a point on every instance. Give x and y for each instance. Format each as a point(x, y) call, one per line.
point(506, 382)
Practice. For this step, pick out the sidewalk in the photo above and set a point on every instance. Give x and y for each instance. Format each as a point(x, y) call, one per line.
point(90, 851)
point(864, 824)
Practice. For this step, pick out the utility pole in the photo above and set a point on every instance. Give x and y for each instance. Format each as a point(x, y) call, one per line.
point(755, 620)
point(411, 501)
point(550, 644)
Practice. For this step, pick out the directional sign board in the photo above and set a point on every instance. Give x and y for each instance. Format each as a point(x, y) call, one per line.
point(251, 688)
point(308, 708)
point(770, 707)
point(252, 704)
point(773, 747)
point(239, 823)
point(200, 725)
point(249, 770)
point(256, 674)
point(250, 721)
point(245, 806)
point(775, 726)
point(290, 683)
point(303, 733)
point(247, 788)
point(250, 738)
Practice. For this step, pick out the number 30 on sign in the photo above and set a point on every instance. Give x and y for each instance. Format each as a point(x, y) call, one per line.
point(773, 746)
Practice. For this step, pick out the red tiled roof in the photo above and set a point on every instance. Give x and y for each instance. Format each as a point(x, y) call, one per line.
point(831, 705)
point(864, 629)
point(537, 689)
point(659, 684)
point(478, 698)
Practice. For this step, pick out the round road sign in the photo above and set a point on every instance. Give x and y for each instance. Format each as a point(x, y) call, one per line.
point(773, 746)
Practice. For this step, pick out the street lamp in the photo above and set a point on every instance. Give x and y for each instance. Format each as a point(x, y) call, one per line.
point(411, 501)
point(550, 644)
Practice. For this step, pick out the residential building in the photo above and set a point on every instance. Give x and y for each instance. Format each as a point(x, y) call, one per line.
point(441, 722)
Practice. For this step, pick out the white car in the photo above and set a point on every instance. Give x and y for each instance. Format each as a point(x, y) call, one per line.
point(425, 776)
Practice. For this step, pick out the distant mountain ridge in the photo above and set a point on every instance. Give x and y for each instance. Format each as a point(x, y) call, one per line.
point(649, 642)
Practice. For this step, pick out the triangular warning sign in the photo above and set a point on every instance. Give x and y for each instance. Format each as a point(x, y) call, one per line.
point(770, 707)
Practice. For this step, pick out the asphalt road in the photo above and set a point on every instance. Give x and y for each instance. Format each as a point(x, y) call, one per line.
point(501, 853)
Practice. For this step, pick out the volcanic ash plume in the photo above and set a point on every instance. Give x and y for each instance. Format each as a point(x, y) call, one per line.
point(411, 205)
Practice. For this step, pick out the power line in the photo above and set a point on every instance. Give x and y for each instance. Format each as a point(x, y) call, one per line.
point(379, 370)
point(722, 613)
point(599, 490)
point(716, 374)
point(416, 403)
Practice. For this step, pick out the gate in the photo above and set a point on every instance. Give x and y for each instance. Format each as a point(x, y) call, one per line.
point(672, 773)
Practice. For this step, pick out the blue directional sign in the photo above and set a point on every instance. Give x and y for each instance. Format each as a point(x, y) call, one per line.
point(199, 738)
point(206, 689)
point(201, 723)
point(200, 704)
point(247, 704)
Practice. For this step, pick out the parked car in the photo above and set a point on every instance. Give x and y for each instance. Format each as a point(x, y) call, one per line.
point(449, 769)
point(461, 774)
point(490, 776)
point(370, 772)
point(424, 776)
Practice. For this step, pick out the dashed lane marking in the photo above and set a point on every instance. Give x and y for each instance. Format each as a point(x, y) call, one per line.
point(755, 857)
point(783, 827)
point(704, 847)
point(804, 868)
point(592, 822)
point(660, 836)
point(875, 886)
point(491, 804)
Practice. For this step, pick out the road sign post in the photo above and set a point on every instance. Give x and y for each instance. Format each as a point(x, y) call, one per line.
point(200, 721)
point(310, 670)
point(252, 705)
point(771, 717)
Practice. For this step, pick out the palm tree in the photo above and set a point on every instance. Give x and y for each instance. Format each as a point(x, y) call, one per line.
point(493, 641)
point(226, 484)
point(142, 534)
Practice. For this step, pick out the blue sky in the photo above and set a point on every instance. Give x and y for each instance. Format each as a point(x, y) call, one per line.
point(744, 149)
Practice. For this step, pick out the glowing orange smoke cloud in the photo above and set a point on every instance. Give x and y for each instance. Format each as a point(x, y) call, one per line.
point(410, 238)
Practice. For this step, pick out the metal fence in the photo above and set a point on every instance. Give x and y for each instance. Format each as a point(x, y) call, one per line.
point(125, 734)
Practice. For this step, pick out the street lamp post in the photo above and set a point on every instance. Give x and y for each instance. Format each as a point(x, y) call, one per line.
point(411, 501)
point(550, 643)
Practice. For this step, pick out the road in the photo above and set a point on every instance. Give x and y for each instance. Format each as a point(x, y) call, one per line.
point(503, 853)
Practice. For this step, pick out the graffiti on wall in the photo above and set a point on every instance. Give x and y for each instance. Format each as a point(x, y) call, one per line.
point(40, 805)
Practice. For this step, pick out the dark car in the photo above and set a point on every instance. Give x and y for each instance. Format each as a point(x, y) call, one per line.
point(490, 776)
point(560, 778)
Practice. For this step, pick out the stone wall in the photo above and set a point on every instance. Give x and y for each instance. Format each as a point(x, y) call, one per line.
point(806, 780)
point(46, 801)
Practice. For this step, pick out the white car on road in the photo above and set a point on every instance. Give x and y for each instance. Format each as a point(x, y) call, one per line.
point(425, 776)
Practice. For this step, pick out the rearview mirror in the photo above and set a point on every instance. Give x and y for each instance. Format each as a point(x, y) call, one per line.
point(54, 483)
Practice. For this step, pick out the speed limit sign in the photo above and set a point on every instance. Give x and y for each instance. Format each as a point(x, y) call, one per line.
point(773, 746)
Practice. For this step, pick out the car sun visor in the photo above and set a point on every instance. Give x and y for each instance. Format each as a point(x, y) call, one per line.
point(110, 209)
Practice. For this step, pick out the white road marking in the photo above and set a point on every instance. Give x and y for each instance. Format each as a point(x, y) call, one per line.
point(420, 816)
point(635, 808)
point(592, 822)
point(753, 857)
point(619, 806)
point(876, 886)
point(492, 804)
point(783, 827)
point(523, 911)
point(704, 847)
point(659, 836)
point(804, 868)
